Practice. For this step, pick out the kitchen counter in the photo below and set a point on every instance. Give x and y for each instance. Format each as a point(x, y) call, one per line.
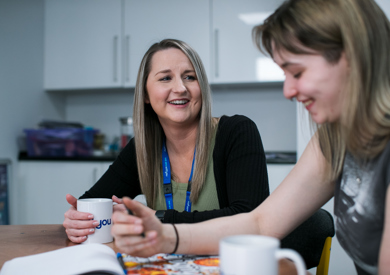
point(273, 157)
point(109, 157)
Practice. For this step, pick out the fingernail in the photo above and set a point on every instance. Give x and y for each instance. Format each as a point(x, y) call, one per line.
point(114, 196)
point(91, 230)
point(95, 223)
point(90, 217)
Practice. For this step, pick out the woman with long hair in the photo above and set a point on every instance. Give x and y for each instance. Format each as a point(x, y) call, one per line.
point(189, 165)
point(336, 58)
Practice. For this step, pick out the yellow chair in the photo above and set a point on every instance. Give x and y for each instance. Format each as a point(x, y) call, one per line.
point(323, 266)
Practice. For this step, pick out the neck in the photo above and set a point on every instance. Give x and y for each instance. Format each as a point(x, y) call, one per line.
point(181, 140)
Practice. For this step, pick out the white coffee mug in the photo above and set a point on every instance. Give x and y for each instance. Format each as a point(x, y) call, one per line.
point(255, 254)
point(101, 209)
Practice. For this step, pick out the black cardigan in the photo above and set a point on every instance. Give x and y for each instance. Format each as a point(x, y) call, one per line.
point(240, 173)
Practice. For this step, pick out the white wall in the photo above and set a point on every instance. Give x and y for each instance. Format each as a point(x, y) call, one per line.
point(273, 115)
point(22, 100)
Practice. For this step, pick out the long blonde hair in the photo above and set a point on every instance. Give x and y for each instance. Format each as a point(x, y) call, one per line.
point(148, 133)
point(361, 30)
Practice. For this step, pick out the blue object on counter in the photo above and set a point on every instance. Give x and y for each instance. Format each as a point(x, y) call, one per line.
point(60, 142)
point(4, 183)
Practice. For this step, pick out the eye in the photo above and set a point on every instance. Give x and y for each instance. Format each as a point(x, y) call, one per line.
point(298, 75)
point(190, 77)
point(165, 78)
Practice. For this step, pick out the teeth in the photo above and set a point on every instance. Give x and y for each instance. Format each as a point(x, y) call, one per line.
point(306, 103)
point(179, 102)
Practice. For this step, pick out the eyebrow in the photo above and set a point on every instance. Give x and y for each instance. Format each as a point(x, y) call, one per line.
point(163, 72)
point(288, 64)
point(168, 70)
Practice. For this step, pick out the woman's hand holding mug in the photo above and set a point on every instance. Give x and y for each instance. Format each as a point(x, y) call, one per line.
point(78, 225)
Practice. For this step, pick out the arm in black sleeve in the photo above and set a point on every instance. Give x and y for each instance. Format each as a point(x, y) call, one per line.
point(121, 178)
point(240, 172)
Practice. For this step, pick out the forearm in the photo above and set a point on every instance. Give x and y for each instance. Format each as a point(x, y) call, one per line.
point(203, 238)
point(173, 216)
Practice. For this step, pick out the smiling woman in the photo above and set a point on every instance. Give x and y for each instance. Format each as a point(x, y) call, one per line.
point(315, 82)
point(173, 90)
point(335, 54)
point(189, 165)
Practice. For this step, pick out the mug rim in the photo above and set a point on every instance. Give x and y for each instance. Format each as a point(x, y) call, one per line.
point(251, 241)
point(94, 200)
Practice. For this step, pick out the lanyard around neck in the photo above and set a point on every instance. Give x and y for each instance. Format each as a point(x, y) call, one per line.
point(166, 166)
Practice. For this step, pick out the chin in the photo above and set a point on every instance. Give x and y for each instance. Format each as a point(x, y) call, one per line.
point(319, 120)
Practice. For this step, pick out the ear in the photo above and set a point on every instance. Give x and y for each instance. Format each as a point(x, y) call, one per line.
point(146, 100)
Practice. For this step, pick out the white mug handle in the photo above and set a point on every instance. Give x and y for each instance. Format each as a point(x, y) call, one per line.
point(295, 257)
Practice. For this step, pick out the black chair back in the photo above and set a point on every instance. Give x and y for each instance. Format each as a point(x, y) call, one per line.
point(308, 239)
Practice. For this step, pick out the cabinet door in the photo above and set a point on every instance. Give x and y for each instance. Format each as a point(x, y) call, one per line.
point(235, 56)
point(82, 44)
point(44, 185)
point(277, 173)
point(147, 22)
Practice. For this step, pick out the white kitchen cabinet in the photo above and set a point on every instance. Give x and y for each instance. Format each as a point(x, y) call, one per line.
point(147, 22)
point(277, 173)
point(235, 56)
point(100, 43)
point(43, 185)
point(82, 44)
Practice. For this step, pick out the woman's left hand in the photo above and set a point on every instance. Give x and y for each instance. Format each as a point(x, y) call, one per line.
point(127, 230)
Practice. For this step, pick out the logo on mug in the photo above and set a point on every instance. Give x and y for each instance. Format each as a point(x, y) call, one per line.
point(103, 223)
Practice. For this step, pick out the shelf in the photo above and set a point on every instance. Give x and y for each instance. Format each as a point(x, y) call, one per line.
point(271, 157)
point(216, 87)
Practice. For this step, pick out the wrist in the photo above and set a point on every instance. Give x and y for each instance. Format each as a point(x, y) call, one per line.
point(170, 239)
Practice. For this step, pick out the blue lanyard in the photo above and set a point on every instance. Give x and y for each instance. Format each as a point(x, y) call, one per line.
point(166, 166)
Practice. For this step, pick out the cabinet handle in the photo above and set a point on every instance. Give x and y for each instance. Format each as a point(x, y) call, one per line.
point(115, 58)
point(127, 70)
point(216, 46)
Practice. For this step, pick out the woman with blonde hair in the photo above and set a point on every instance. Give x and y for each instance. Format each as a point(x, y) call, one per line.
point(336, 58)
point(190, 166)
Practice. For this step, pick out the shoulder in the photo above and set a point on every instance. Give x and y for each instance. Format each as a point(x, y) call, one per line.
point(234, 130)
point(233, 122)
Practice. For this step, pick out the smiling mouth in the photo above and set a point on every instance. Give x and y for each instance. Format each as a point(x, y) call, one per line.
point(307, 103)
point(179, 102)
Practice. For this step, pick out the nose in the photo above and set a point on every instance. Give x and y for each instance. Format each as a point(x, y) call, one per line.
point(289, 89)
point(178, 85)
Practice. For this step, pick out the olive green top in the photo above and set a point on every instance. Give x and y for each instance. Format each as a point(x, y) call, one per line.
point(208, 198)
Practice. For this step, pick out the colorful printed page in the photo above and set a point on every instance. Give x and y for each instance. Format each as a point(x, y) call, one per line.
point(171, 264)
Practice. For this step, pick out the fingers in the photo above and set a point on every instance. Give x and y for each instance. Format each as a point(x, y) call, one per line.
point(122, 217)
point(126, 229)
point(79, 224)
point(73, 214)
point(120, 208)
point(137, 208)
point(137, 246)
point(77, 239)
point(79, 235)
point(71, 200)
point(116, 199)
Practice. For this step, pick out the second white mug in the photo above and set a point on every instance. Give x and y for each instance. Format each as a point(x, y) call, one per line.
point(101, 209)
point(255, 254)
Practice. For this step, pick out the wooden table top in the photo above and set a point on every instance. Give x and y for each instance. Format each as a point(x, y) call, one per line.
point(24, 240)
